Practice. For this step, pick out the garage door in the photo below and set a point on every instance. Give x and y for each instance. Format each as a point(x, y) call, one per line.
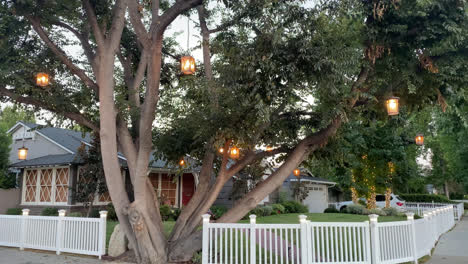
point(316, 201)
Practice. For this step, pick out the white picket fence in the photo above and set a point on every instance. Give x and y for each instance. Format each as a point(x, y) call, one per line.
point(55, 233)
point(311, 242)
point(420, 208)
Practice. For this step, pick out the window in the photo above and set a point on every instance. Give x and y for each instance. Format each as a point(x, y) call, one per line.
point(46, 186)
point(61, 181)
point(45, 190)
point(165, 187)
point(31, 182)
point(103, 198)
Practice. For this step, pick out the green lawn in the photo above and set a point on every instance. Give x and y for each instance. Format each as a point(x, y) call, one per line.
point(284, 219)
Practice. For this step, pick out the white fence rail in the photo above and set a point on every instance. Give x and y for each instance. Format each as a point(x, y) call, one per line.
point(308, 242)
point(55, 233)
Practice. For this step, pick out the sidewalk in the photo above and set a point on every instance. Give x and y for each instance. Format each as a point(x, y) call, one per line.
point(453, 246)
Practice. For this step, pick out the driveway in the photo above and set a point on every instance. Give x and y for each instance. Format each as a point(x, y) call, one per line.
point(16, 256)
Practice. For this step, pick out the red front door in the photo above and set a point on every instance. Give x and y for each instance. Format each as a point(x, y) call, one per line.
point(188, 187)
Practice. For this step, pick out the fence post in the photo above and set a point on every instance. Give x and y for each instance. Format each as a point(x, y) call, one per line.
point(59, 236)
point(206, 223)
point(102, 233)
point(427, 223)
point(410, 217)
point(253, 237)
point(23, 228)
point(374, 245)
point(303, 223)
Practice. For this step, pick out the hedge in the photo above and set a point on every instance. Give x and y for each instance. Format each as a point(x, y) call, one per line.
point(425, 198)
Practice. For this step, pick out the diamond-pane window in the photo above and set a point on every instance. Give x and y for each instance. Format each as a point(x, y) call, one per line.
point(105, 197)
point(46, 185)
point(31, 182)
point(61, 182)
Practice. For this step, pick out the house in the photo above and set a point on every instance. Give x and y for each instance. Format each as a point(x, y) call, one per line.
point(48, 176)
point(316, 189)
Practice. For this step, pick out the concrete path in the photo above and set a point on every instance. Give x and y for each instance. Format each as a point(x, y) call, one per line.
point(16, 256)
point(453, 246)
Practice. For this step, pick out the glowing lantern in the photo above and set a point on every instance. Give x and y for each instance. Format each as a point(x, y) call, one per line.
point(393, 106)
point(187, 65)
point(234, 153)
point(269, 148)
point(42, 79)
point(221, 150)
point(297, 172)
point(182, 162)
point(419, 139)
point(22, 153)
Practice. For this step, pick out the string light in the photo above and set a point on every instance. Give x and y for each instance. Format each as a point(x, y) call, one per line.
point(42, 79)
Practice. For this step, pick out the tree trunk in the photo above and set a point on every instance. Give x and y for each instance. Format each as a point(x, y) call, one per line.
point(446, 189)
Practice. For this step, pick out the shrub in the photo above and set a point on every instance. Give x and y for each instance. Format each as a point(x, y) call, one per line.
point(391, 211)
point(362, 202)
point(278, 208)
point(357, 209)
point(267, 210)
point(377, 211)
point(425, 198)
point(48, 211)
point(465, 206)
point(331, 210)
point(14, 211)
point(258, 211)
point(175, 213)
point(94, 213)
point(217, 211)
point(165, 211)
point(456, 196)
point(292, 207)
point(111, 214)
point(282, 196)
point(75, 214)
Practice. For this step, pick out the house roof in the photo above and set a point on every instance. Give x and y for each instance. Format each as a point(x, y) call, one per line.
point(308, 177)
point(54, 160)
point(70, 141)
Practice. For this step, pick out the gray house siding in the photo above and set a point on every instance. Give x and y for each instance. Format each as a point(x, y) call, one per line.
point(224, 197)
point(42, 147)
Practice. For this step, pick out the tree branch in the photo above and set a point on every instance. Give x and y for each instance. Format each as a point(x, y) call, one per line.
point(175, 10)
point(75, 115)
point(98, 34)
point(118, 23)
point(136, 20)
point(61, 55)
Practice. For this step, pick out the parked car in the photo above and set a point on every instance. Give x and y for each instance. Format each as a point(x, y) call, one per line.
point(395, 201)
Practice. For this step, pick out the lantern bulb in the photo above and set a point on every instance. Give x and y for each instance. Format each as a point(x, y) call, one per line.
point(419, 140)
point(42, 79)
point(297, 172)
point(22, 153)
point(234, 153)
point(221, 150)
point(187, 65)
point(393, 106)
point(182, 162)
point(269, 148)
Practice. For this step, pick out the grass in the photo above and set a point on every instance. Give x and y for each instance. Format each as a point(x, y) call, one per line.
point(282, 219)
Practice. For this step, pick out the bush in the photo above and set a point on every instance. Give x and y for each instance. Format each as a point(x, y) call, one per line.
point(391, 211)
point(75, 214)
point(217, 211)
point(176, 213)
point(258, 211)
point(111, 214)
point(14, 211)
point(267, 210)
point(357, 209)
point(48, 211)
point(293, 207)
point(331, 210)
point(362, 202)
point(377, 211)
point(278, 208)
point(425, 198)
point(282, 197)
point(456, 196)
point(165, 211)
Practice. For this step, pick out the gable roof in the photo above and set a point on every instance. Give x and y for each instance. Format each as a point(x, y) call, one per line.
point(50, 160)
point(68, 140)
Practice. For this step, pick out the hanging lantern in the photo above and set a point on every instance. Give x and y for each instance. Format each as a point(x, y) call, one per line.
point(42, 79)
point(182, 162)
point(234, 153)
point(419, 139)
point(393, 106)
point(221, 150)
point(187, 65)
point(269, 148)
point(297, 173)
point(22, 153)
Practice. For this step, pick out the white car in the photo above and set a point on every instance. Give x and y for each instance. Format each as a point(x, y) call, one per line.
point(395, 201)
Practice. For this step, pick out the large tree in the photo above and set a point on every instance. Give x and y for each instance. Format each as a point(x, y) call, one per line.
point(277, 73)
